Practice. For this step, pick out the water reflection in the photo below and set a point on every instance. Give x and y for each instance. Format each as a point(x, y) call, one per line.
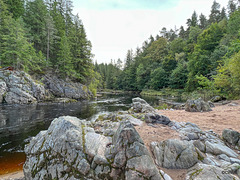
point(20, 122)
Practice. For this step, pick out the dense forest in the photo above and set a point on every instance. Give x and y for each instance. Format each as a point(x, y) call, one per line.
point(205, 55)
point(40, 36)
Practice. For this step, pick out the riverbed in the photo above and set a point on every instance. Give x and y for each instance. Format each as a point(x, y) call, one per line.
point(19, 123)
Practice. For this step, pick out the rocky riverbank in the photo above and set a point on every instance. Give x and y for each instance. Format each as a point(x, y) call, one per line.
point(18, 87)
point(125, 145)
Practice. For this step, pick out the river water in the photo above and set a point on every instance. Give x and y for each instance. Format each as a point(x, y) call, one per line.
point(18, 123)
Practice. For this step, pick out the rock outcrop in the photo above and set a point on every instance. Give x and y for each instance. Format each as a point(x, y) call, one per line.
point(66, 89)
point(17, 87)
point(71, 149)
point(197, 105)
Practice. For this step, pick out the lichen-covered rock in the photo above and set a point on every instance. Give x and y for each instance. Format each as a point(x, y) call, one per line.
point(232, 137)
point(141, 106)
point(208, 172)
point(71, 149)
point(197, 105)
point(175, 154)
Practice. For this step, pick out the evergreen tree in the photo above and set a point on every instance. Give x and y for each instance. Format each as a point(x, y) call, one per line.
point(203, 21)
point(35, 20)
point(223, 14)
point(215, 15)
point(64, 63)
point(80, 49)
point(232, 6)
point(15, 48)
point(193, 21)
point(15, 7)
point(182, 33)
point(129, 58)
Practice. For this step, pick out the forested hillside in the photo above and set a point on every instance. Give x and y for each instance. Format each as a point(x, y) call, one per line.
point(204, 55)
point(40, 36)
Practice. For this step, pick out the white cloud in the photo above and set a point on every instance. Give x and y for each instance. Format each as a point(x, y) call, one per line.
point(113, 32)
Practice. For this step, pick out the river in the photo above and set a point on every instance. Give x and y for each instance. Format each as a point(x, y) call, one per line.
point(18, 123)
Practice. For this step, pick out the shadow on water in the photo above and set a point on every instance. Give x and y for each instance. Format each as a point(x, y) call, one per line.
point(18, 123)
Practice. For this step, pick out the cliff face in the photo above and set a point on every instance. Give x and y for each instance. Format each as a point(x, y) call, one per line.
point(18, 87)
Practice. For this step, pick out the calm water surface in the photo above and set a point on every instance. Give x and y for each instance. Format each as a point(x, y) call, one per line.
point(18, 123)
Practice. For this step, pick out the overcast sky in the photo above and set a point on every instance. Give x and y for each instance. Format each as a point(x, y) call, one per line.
point(114, 26)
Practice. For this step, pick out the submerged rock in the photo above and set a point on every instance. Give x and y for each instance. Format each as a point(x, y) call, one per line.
point(71, 149)
point(197, 105)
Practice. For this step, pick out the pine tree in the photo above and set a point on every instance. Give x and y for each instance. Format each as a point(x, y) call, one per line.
point(203, 21)
point(232, 6)
point(129, 58)
point(193, 21)
point(35, 20)
point(182, 33)
point(223, 14)
point(215, 15)
point(16, 50)
point(15, 7)
point(64, 63)
point(80, 49)
point(50, 33)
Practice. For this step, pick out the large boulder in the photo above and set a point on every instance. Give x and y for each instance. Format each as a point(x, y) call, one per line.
point(156, 118)
point(197, 105)
point(141, 106)
point(175, 154)
point(71, 149)
point(231, 136)
point(209, 172)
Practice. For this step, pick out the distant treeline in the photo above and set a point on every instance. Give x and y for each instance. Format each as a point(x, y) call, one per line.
point(203, 56)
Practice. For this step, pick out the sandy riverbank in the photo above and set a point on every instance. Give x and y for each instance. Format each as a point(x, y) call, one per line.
point(221, 117)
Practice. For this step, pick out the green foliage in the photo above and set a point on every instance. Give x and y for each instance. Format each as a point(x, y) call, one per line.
point(233, 24)
point(16, 8)
point(179, 76)
point(228, 77)
point(158, 79)
point(95, 83)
